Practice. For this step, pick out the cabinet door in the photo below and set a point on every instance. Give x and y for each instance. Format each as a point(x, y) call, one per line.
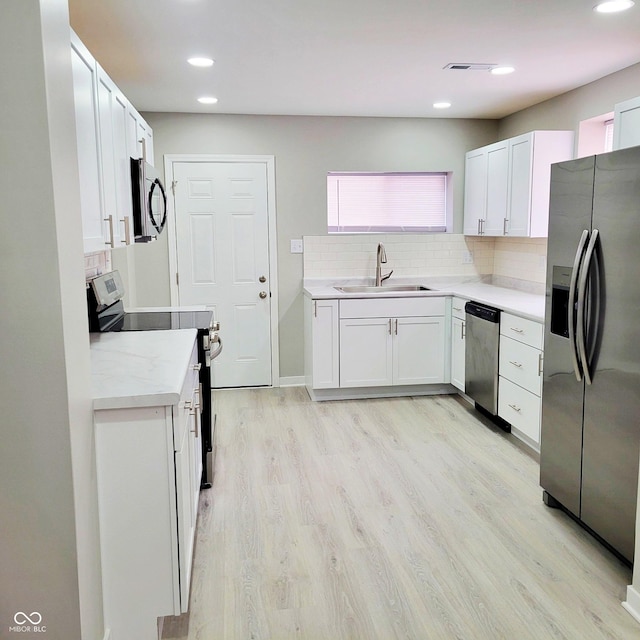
point(184, 503)
point(366, 352)
point(497, 188)
point(457, 352)
point(138, 131)
point(418, 350)
point(116, 174)
point(521, 152)
point(626, 124)
point(475, 191)
point(86, 116)
point(325, 373)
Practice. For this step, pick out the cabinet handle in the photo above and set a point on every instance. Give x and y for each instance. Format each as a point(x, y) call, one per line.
point(504, 227)
point(462, 330)
point(479, 232)
point(517, 330)
point(390, 321)
point(127, 231)
point(396, 326)
point(109, 219)
point(516, 364)
point(515, 407)
point(539, 364)
point(315, 308)
point(482, 226)
point(457, 308)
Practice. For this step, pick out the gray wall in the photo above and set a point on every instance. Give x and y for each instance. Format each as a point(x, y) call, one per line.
point(569, 109)
point(305, 149)
point(49, 554)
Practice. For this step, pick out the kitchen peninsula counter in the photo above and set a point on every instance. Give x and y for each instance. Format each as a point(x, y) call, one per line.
point(139, 368)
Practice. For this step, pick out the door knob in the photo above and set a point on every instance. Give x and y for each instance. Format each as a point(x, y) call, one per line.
point(262, 279)
point(263, 294)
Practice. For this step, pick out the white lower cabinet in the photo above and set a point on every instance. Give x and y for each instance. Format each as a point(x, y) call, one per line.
point(321, 329)
point(520, 382)
point(387, 342)
point(458, 343)
point(149, 465)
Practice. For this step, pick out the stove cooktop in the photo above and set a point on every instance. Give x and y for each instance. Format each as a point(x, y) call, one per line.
point(158, 320)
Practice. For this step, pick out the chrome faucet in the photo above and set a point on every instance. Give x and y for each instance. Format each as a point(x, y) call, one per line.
point(381, 258)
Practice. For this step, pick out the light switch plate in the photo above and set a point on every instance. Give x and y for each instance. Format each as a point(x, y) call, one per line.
point(296, 246)
point(467, 257)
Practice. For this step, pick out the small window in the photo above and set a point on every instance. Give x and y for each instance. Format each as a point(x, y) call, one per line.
point(608, 135)
point(386, 202)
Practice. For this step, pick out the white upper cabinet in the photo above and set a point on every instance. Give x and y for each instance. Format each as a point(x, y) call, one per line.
point(626, 124)
point(109, 133)
point(497, 189)
point(116, 172)
point(475, 191)
point(507, 184)
point(86, 116)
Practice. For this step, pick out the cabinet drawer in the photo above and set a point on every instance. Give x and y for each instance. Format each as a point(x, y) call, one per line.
point(520, 408)
point(521, 364)
point(457, 308)
point(190, 394)
point(522, 330)
point(392, 307)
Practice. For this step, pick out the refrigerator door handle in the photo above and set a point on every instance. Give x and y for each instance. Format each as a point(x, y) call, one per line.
point(572, 304)
point(581, 321)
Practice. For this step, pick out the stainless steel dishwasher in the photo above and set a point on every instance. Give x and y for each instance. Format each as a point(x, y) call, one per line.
point(481, 355)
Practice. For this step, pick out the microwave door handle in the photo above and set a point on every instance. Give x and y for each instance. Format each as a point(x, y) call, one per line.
point(581, 321)
point(163, 200)
point(572, 320)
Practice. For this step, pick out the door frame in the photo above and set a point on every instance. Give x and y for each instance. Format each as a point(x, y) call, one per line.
point(269, 162)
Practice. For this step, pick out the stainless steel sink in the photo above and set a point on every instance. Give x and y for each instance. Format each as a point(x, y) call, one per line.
point(382, 289)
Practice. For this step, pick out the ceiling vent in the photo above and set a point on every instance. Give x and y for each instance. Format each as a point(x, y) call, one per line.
point(470, 66)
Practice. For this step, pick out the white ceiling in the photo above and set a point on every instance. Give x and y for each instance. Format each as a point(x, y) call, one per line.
point(353, 57)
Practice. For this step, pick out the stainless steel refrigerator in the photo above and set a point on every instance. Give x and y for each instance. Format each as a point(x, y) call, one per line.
point(590, 443)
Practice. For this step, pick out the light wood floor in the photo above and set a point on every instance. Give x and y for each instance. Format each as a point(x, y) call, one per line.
point(380, 519)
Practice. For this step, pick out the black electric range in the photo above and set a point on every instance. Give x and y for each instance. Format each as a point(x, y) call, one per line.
point(106, 314)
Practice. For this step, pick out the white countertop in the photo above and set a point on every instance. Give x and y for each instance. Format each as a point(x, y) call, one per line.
point(139, 368)
point(520, 303)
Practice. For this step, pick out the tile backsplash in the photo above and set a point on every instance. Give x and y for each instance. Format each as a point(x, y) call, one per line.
point(522, 259)
point(513, 262)
point(354, 256)
point(96, 264)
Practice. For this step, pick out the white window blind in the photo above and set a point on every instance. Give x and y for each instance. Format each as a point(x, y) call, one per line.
point(386, 202)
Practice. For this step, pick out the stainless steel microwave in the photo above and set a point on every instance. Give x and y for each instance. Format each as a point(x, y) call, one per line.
point(149, 201)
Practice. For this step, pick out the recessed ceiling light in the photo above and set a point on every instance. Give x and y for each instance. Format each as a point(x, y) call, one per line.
point(207, 100)
point(502, 71)
point(612, 6)
point(200, 62)
point(441, 105)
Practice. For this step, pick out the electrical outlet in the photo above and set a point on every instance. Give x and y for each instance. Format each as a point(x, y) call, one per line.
point(467, 257)
point(296, 246)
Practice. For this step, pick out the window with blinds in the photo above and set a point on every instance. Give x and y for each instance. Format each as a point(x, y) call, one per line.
point(386, 202)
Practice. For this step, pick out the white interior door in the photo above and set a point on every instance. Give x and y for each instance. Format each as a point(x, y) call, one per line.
point(222, 247)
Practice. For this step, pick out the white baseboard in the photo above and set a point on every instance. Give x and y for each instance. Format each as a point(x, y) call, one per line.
point(292, 381)
point(632, 603)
